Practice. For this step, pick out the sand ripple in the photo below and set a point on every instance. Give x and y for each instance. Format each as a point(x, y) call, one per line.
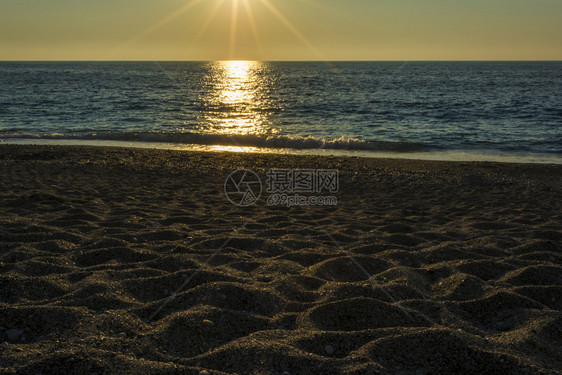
point(124, 261)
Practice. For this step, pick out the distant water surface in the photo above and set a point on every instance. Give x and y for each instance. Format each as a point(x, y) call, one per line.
point(483, 110)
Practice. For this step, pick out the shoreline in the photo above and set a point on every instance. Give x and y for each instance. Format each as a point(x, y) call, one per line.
point(131, 260)
point(453, 156)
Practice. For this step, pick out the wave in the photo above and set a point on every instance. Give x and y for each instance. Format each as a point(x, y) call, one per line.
point(259, 141)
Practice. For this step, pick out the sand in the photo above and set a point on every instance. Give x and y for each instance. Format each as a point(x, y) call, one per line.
point(113, 261)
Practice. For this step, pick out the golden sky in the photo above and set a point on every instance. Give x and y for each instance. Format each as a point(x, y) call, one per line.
point(280, 30)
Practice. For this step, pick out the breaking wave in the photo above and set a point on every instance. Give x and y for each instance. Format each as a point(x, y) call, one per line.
point(260, 141)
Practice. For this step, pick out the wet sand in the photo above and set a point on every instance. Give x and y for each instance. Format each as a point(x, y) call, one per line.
point(132, 261)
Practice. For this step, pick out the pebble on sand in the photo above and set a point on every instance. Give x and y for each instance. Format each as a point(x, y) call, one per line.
point(329, 349)
point(208, 323)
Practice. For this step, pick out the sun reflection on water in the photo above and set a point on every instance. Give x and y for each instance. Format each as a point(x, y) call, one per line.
point(237, 100)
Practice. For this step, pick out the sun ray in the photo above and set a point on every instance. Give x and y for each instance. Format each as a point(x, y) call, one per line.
point(115, 51)
point(203, 28)
point(313, 48)
point(178, 12)
point(292, 28)
point(253, 27)
point(233, 26)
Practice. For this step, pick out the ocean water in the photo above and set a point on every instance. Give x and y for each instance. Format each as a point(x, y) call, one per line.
point(468, 110)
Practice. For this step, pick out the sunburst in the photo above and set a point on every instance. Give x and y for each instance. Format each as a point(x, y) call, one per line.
point(236, 6)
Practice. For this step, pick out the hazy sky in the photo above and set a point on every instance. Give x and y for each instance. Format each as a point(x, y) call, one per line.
point(280, 29)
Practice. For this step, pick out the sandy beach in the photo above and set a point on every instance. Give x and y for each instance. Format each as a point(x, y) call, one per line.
point(133, 261)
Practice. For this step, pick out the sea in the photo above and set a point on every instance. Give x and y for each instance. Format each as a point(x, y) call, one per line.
point(496, 111)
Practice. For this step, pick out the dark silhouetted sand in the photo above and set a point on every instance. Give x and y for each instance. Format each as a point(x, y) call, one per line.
point(441, 268)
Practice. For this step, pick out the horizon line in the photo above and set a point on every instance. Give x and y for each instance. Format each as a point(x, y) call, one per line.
point(319, 61)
